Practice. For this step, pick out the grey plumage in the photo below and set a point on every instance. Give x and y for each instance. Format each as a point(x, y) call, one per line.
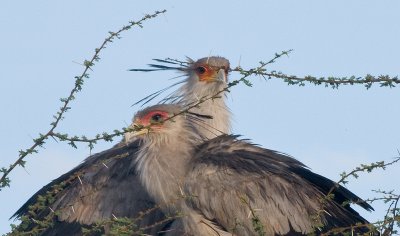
point(218, 183)
point(102, 190)
point(284, 194)
point(114, 189)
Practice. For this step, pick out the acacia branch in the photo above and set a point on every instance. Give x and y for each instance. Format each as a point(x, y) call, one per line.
point(344, 176)
point(109, 137)
point(79, 80)
point(329, 81)
point(334, 82)
point(361, 168)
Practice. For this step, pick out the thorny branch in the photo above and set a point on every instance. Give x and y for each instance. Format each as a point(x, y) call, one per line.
point(361, 168)
point(334, 82)
point(79, 80)
point(260, 71)
point(392, 213)
point(109, 137)
point(385, 226)
point(372, 226)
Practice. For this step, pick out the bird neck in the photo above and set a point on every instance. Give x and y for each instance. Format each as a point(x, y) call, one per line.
point(215, 107)
point(162, 164)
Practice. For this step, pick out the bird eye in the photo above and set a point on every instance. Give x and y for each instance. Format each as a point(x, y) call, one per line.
point(201, 69)
point(157, 118)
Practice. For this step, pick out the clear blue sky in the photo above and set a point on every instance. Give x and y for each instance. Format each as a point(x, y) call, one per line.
point(42, 44)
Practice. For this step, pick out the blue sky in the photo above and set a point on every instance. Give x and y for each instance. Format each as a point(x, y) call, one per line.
point(331, 131)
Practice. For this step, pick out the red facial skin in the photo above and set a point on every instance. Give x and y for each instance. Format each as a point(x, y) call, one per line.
point(147, 121)
point(207, 73)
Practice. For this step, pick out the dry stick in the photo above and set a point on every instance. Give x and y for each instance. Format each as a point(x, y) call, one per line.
point(5, 181)
point(380, 164)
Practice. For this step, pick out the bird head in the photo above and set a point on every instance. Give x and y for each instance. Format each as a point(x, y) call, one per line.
point(209, 70)
point(206, 76)
point(166, 123)
point(158, 120)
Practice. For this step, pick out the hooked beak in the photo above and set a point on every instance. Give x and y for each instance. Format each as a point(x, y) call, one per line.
point(221, 76)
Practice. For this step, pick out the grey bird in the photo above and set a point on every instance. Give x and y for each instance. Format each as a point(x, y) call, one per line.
point(106, 185)
point(228, 186)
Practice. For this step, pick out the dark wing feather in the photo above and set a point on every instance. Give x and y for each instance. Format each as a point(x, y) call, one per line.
point(230, 177)
point(341, 194)
point(106, 190)
point(175, 62)
point(157, 68)
point(179, 67)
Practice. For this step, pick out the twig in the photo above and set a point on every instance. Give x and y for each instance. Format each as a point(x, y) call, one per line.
point(109, 137)
point(38, 142)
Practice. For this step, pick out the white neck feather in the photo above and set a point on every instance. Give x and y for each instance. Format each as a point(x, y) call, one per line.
point(162, 164)
point(217, 108)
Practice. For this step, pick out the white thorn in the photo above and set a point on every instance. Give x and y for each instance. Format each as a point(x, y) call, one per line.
point(104, 165)
point(248, 216)
point(114, 217)
point(80, 181)
point(180, 189)
point(51, 209)
point(73, 210)
point(327, 213)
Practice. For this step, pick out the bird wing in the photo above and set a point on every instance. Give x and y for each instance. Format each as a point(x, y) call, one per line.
point(243, 188)
point(107, 186)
